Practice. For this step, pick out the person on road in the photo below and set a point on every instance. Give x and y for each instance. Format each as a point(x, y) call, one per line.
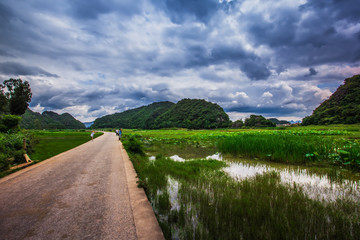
point(92, 135)
point(120, 132)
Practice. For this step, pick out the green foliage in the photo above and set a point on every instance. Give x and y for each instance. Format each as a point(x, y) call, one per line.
point(142, 117)
point(133, 145)
point(3, 100)
point(11, 149)
point(277, 121)
point(187, 113)
point(258, 121)
point(49, 120)
point(343, 106)
point(9, 123)
point(237, 124)
point(18, 96)
point(194, 114)
point(294, 147)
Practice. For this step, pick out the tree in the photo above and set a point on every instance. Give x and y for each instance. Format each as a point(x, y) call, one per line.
point(3, 100)
point(237, 124)
point(18, 96)
point(258, 121)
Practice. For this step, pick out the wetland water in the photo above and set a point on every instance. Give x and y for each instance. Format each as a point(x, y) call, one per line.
point(327, 185)
point(234, 199)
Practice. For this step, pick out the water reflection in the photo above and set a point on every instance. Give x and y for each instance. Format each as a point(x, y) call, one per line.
point(316, 186)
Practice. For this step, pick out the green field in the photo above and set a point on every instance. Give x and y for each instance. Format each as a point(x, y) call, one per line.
point(195, 198)
point(51, 143)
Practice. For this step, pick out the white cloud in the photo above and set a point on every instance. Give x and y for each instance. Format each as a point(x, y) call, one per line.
point(267, 94)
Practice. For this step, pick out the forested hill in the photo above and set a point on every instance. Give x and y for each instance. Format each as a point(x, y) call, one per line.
point(142, 117)
point(187, 113)
point(49, 120)
point(343, 106)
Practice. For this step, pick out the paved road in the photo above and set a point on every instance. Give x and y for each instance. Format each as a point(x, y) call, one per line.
point(79, 194)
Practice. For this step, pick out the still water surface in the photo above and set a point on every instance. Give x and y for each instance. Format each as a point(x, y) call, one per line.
point(315, 185)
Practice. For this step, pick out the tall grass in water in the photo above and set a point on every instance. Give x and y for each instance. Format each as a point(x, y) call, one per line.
point(211, 205)
point(261, 208)
point(292, 148)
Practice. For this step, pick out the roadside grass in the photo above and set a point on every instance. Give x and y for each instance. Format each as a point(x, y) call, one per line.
point(51, 143)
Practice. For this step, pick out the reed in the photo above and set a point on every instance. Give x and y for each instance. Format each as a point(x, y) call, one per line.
point(283, 147)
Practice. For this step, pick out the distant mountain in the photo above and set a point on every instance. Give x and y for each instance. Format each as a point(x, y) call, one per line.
point(187, 113)
point(88, 124)
point(49, 120)
point(295, 122)
point(278, 122)
point(343, 106)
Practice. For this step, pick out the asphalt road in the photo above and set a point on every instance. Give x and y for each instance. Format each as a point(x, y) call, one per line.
point(79, 194)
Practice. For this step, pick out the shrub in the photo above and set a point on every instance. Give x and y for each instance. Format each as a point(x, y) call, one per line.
point(9, 123)
point(4, 163)
point(134, 145)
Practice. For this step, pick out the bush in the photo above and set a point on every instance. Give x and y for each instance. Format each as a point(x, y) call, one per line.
point(11, 147)
point(4, 163)
point(134, 145)
point(9, 123)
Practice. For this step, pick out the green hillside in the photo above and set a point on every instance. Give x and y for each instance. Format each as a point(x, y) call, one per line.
point(343, 106)
point(194, 114)
point(142, 117)
point(49, 120)
point(187, 113)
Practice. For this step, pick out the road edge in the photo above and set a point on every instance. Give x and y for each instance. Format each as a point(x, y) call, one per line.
point(146, 224)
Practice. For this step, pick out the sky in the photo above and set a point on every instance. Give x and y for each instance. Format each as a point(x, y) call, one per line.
point(276, 58)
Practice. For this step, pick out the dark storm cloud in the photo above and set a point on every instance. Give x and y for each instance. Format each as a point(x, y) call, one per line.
point(14, 69)
point(251, 64)
point(340, 10)
point(312, 72)
point(52, 99)
point(279, 31)
point(85, 9)
point(180, 10)
point(308, 35)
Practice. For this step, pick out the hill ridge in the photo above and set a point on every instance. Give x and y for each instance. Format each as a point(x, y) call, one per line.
point(49, 120)
point(187, 113)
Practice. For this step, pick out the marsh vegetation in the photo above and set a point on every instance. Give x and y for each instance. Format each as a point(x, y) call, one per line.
point(293, 184)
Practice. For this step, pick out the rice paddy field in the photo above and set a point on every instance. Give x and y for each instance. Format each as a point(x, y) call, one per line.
point(293, 183)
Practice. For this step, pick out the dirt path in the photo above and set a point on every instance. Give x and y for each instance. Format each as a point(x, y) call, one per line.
point(79, 194)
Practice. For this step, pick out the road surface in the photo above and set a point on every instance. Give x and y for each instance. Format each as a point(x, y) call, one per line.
point(80, 194)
